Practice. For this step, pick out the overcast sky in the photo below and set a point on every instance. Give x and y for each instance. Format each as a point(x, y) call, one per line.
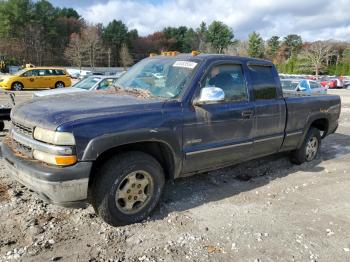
point(312, 19)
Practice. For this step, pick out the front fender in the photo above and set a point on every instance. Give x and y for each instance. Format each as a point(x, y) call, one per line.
point(168, 137)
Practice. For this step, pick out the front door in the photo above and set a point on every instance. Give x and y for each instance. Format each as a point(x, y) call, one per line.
point(30, 79)
point(220, 133)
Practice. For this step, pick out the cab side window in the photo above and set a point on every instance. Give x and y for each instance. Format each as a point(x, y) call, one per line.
point(49, 72)
point(59, 72)
point(314, 85)
point(41, 72)
point(263, 82)
point(230, 79)
point(31, 73)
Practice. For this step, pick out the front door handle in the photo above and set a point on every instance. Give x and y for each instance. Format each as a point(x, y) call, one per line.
point(247, 114)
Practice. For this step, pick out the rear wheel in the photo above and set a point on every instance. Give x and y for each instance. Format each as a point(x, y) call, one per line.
point(17, 86)
point(309, 149)
point(2, 125)
point(127, 188)
point(59, 85)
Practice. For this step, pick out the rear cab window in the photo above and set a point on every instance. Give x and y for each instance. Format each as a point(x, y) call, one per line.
point(59, 72)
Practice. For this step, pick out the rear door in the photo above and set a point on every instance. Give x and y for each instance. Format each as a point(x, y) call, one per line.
point(42, 79)
point(270, 109)
point(219, 133)
point(49, 78)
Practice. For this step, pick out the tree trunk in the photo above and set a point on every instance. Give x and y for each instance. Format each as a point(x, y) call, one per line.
point(109, 57)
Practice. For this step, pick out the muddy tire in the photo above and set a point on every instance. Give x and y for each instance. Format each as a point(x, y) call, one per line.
point(309, 149)
point(127, 188)
point(17, 86)
point(2, 125)
point(59, 85)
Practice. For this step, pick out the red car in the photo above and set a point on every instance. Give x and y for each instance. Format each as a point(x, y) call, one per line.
point(333, 83)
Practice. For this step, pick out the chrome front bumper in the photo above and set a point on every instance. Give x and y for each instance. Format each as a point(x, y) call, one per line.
point(64, 186)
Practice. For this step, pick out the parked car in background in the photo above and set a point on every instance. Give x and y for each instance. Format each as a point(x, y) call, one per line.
point(303, 86)
point(289, 85)
point(5, 109)
point(90, 83)
point(36, 78)
point(333, 83)
point(74, 73)
point(311, 87)
point(89, 73)
point(346, 83)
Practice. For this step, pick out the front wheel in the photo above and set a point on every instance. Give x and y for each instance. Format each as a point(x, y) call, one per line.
point(309, 149)
point(2, 125)
point(17, 86)
point(127, 188)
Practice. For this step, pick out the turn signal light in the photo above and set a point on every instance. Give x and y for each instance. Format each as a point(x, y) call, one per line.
point(55, 159)
point(65, 160)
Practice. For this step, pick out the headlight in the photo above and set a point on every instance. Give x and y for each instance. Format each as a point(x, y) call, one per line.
point(53, 159)
point(54, 137)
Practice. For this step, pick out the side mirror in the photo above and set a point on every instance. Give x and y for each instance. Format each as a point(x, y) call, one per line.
point(209, 95)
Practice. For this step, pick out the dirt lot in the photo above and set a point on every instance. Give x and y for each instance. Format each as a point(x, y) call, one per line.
point(263, 210)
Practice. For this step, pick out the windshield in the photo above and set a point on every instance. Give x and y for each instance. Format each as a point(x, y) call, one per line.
point(20, 72)
point(161, 77)
point(87, 83)
point(289, 85)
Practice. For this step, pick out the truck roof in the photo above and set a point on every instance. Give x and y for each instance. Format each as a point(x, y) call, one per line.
point(203, 57)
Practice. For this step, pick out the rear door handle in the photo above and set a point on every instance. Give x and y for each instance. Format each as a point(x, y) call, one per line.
point(247, 114)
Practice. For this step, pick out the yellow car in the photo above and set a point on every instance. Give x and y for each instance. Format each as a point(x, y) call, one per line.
point(38, 77)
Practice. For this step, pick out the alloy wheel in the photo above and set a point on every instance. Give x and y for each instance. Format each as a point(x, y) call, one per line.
point(134, 192)
point(311, 148)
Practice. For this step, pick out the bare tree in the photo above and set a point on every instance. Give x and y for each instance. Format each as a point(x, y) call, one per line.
point(91, 38)
point(317, 54)
point(75, 50)
point(239, 49)
point(125, 57)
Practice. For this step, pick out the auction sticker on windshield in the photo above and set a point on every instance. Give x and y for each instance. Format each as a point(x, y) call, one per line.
point(185, 64)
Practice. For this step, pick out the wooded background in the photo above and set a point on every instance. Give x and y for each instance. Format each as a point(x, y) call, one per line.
point(39, 33)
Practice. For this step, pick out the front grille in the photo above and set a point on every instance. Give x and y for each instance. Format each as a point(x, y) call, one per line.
point(19, 149)
point(22, 149)
point(24, 130)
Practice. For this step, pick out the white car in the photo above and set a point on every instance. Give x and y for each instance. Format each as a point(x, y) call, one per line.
point(302, 86)
point(90, 83)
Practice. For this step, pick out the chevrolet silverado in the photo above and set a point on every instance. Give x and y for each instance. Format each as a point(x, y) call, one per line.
point(167, 117)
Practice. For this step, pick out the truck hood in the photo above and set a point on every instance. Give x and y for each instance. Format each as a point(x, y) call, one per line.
point(5, 78)
point(51, 112)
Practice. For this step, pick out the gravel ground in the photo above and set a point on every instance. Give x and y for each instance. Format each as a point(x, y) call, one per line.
point(262, 210)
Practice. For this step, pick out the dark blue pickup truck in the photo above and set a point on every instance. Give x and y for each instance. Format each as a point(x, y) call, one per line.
point(168, 116)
